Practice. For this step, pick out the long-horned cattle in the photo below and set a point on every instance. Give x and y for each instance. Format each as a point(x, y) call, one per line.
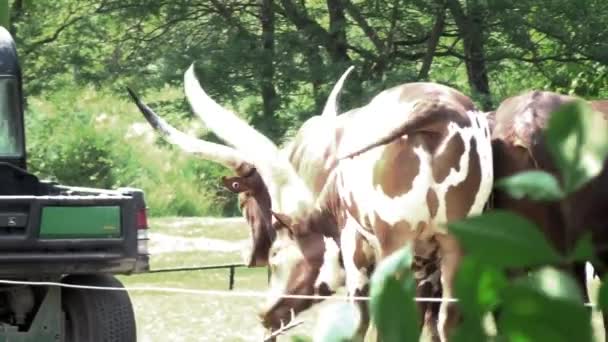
point(312, 153)
point(519, 145)
point(416, 157)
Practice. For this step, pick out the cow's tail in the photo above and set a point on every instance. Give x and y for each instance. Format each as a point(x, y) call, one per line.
point(423, 115)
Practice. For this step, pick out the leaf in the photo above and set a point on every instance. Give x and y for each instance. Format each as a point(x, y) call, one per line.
point(477, 288)
point(470, 331)
point(392, 299)
point(542, 308)
point(555, 284)
point(503, 239)
point(338, 323)
point(300, 338)
point(603, 295)
point(536, 185)
point(577, 140)
point(583, 250)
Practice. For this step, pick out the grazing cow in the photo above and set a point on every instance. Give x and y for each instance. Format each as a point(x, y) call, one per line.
point(425, 161)
point(518, 145)
point(312, 154)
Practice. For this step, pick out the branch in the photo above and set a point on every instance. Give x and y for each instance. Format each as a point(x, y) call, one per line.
point(412, 41)
point(303, 22)
point(371, 34)
point(66, 23)
point(522, 58)
point(284, 328)
point(432, 44)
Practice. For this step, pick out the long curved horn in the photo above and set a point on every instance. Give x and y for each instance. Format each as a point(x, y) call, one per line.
point(224, 123)
point(331, 106)
point(221, 154)
point(288, 191)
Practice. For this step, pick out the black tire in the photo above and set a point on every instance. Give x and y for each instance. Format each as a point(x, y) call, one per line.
point(97, 315)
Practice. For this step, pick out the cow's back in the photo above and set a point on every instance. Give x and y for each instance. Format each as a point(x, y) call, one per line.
point(420, 180)
point(518, 145)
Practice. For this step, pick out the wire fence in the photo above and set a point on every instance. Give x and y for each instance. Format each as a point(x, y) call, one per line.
point(217, 293)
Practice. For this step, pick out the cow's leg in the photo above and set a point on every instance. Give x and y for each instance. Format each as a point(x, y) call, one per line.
point(426, 269)
point(358, 260)
point(451, 255)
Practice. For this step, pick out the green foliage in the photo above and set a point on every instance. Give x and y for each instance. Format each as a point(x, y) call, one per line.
point(578, 142)
point(583, 250)
point(4, 14)
point(392, 292)
point(536, 185)
point(87, 138)
point(495, 235)
point(547, 306)
point(603, 295)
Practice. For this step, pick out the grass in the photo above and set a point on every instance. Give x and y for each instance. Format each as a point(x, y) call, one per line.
point(182, 242)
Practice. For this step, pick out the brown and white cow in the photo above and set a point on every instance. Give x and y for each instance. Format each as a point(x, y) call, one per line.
point(425, 160)
point(312, 152)
point(519, 145)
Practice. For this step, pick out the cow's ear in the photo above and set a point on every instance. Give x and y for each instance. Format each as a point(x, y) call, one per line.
point(235, 184)
point(284, 220)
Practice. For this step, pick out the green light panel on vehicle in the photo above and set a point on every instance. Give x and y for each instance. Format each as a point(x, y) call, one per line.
point(80, 222)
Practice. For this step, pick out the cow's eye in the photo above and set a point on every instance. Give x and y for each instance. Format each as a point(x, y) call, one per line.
point(273, 256)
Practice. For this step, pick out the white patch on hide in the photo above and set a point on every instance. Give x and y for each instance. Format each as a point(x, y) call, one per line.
point(284, 256)
point(358, 177)
point(356, 278)
point(357, 172)
point(331, 272)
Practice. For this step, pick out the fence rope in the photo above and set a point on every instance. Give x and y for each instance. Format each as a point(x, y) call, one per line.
point(218, 293)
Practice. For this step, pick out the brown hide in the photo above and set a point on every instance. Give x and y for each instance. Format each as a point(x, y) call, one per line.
point(315, 171)
point(255, 204)
point(518, 145)
point(437, 107)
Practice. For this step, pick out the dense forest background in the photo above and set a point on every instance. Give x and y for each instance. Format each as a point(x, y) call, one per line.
point(274, 62)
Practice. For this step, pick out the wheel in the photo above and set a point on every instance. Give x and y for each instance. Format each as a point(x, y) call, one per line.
point(97, 315)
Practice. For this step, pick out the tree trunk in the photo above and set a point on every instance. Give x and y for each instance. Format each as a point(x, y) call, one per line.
point(269, 94)
point(15, 16)
point(337, 31)
point(470, 27)
point(317, 68)
point(432, 43)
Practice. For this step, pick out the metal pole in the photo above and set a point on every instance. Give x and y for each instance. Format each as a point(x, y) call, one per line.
point(268, 273)
point(231, 284)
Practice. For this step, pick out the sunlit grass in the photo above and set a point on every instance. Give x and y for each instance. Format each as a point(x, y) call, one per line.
point(191, 317)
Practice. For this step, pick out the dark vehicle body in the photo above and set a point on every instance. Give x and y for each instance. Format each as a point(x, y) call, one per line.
point(65, 234)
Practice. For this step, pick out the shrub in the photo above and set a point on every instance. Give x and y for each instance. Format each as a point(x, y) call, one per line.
point(89, 138)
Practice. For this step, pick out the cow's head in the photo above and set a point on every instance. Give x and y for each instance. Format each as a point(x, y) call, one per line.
point(291, 243)
point(305, 245)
